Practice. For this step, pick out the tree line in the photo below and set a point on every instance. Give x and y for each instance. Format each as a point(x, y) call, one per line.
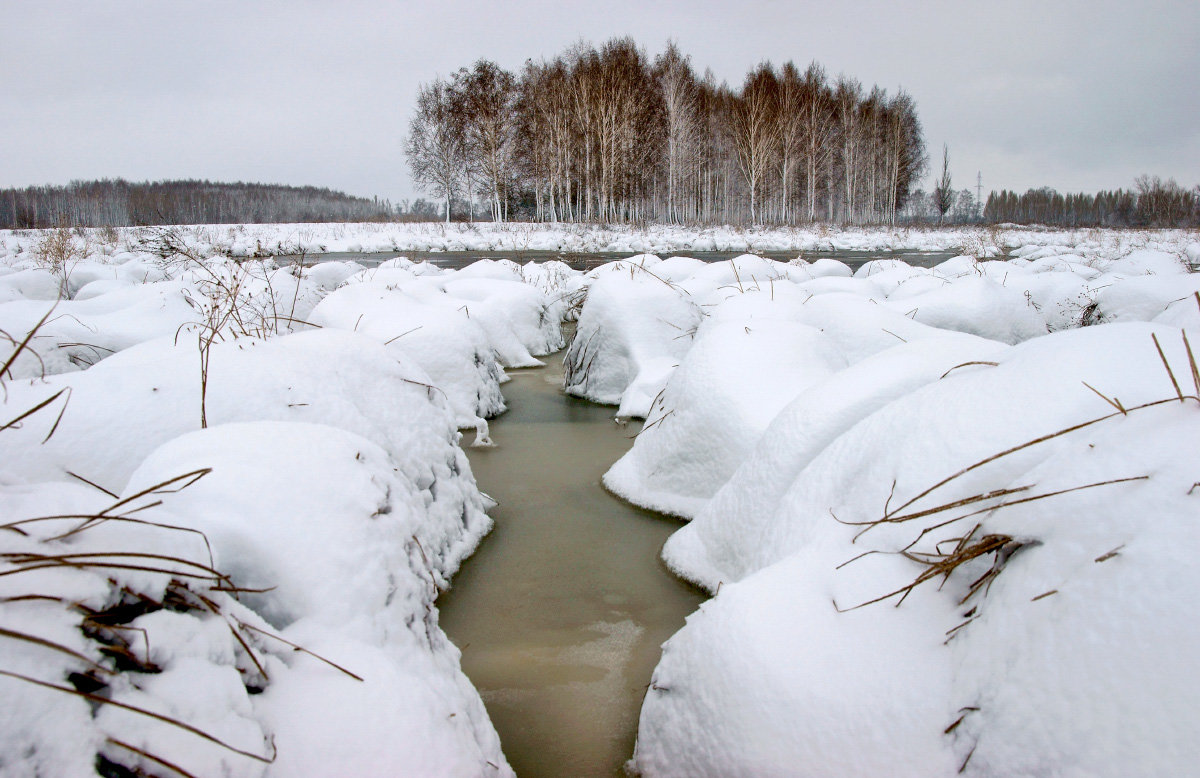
point(606, 134)
point(120, 203)
point(1151, 203)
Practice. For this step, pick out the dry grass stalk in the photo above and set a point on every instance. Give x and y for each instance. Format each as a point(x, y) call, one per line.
point(18, 348)
point(1167, 365)
point(153, 758)
point(941, 565)
point(301, 649)
point(966, 364)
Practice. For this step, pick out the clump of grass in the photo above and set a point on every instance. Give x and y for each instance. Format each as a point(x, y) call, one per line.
point(58, 252)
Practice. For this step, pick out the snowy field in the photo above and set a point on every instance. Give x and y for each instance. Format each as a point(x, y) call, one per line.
point(945, 514)
point(241, 240)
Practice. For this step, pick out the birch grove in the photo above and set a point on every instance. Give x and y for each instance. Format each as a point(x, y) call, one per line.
point(610, 135)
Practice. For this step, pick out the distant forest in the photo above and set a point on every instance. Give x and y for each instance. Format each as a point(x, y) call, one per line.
point(1152, 203)
point(121, 203)
point(609, 135)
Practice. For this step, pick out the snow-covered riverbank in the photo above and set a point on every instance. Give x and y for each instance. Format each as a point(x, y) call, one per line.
point(947, 527)
point(251, 239)
point(224, 482)
point(205, 461)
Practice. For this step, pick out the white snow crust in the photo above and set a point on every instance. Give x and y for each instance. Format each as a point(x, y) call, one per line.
point(210, 457)
point(882, 425)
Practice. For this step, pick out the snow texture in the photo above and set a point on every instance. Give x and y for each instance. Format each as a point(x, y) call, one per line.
point(209, 457)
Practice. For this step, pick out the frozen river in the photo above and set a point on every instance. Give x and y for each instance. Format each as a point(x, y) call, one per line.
point(561, 612)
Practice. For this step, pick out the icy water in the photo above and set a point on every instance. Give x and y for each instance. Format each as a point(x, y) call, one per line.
point(561, 612)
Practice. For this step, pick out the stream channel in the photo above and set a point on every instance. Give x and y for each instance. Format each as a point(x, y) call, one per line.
point(561, 612)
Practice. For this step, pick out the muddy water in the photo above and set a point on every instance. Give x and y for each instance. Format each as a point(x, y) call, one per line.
point(561, 612)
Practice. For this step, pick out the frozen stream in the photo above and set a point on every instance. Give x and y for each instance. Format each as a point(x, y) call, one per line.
point(561, 612)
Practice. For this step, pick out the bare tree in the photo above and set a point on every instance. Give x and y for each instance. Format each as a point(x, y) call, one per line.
point(436, 147)
point(680, 102)
point(1162, 203)
point(487, 93)
point(904, 157)
point(816, 126)
point(943, 190)
point(847, 96)
point(599, 134)
point(789, 136)
point(755, 130)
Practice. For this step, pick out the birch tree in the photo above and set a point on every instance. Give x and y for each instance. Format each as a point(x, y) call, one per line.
point(677, 83)
point(435, 147)
point(847, 96)
point(755, 130)
point(486, 96)
point(816, 126)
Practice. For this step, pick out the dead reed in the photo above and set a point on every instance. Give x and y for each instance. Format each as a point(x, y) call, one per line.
point(975, 543)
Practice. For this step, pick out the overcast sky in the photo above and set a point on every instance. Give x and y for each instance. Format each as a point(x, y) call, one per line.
point(1073, 95)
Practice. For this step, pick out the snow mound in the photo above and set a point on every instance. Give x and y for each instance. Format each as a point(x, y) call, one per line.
point(446, 343)
point(716, 404)
point(723, 541)
point(1144, 298)
point(521, 321)
point(79, 333)
point(345, 576)
point(634, 330)
point(978, 306)
point(327, 377)
point(1146, 262)
point(1072, 659)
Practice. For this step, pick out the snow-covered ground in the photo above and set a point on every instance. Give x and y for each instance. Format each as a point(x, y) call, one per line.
point(251, 239)
point(206, 461)
point(947, 526)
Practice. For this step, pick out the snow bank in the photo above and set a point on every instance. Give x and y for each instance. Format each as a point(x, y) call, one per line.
point(347, 578)
point(450, 346)
point(285, 239)
point(143, 397)
point(719, 400)
point(634, 330)
point(1071, 660)
point(332, 495)
point(719, 546)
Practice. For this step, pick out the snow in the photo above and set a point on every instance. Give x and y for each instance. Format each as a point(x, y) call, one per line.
point(1037, 677)
point(634, 329)
point(297, 430)
point(979, 306)
point(719, 400)
point(315, 239)
point(448, 345)
point(348, 578)
point(211, 425)
point(719, 544)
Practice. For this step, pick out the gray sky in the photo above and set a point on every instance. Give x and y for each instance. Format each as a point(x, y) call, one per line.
point(1073, 95)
